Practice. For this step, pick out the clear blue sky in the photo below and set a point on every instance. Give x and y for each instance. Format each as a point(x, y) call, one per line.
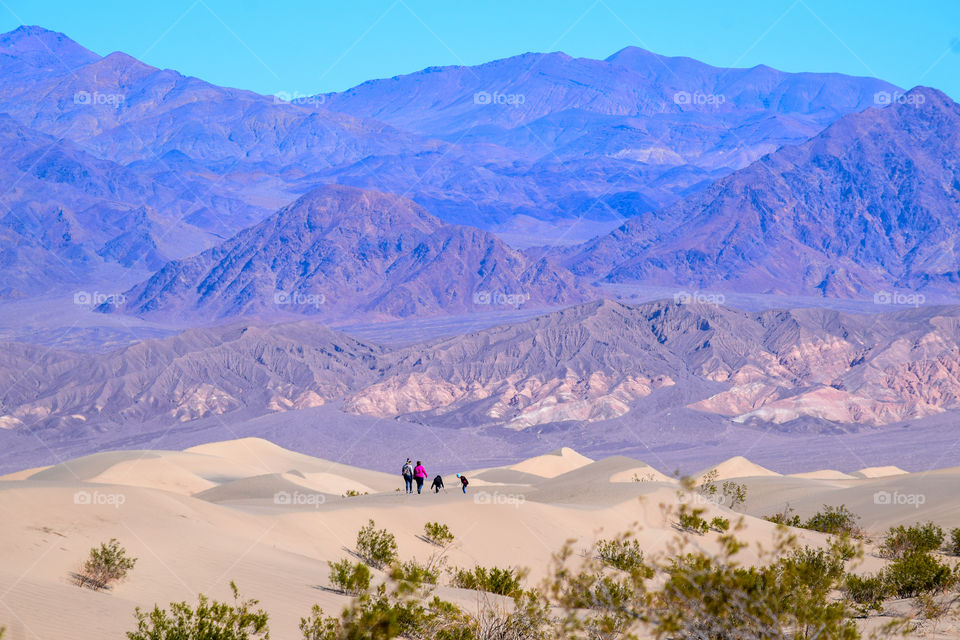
point(307, 47)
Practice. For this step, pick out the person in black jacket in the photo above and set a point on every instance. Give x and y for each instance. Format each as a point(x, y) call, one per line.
point(437, 484)
point(463, 481)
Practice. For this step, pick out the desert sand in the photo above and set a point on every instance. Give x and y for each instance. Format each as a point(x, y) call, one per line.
point(271, 519)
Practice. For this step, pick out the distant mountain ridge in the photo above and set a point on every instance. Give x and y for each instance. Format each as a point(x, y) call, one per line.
point(789, 370)
point(340, 251)
point(867, 205)
point(591, 142)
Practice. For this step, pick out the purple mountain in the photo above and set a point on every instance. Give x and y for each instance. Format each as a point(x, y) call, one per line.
point(868, 204)
point(340, 251)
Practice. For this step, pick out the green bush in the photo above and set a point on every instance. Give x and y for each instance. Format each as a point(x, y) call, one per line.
point(953, 547)
point(786, 518)
point(901, 541)
point(377, 547)
point(209, 620)
point(503, 582)
point(352, 578)
point(622, 554)
point(106, 565)
point(868, 592)
point(438, 534)
point(353, 493)
point(691, 521)
point(414, 573)
point(918, 573)
point(720, 524)
point(835, 521)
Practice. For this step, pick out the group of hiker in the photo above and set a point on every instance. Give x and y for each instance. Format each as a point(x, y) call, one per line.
point(418, 474)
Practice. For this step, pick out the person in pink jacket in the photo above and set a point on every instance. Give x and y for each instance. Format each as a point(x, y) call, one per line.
point(419, 474)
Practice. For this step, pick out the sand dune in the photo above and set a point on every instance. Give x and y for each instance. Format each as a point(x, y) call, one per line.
point(878, 472)
point(270, 519)
point(552, 464)
point(738, 467)
point(823, 474)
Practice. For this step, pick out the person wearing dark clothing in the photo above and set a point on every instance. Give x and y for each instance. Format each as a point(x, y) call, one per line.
point(463, 481)
point(407, 473)
point(437, 484)
point(419, 474)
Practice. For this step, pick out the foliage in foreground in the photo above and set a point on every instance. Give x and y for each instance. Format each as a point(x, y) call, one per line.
point(438, 534)
point(377, 547)
point(107, 564)
point(502, 582)
point(608, 594)
point(900, 542)
point(209, 620)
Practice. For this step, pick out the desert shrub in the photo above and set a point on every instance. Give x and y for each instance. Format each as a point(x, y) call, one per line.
point(377, 547)
point(953, 546)
point(503, 582)
point(786, 518)
point(622, 554)
point(868, 592)
point(918, 573)
point(720, 524)
point(385, 615)
point(414, 573)
point(734, 494)
point(209, 620)
point(107, 564)
point(352, 578)
point(692, 521)
point(902, 541)
point(438, 534)
point(835, 521)
point(353, 493)
point(708, 596)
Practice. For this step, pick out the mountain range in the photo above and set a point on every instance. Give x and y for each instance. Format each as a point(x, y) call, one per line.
point(131, 166)
point(584, 365)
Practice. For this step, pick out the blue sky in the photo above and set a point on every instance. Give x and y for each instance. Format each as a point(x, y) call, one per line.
point(301, 47)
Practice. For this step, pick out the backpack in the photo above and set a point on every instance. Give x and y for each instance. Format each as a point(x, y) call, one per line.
point(407, 469)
